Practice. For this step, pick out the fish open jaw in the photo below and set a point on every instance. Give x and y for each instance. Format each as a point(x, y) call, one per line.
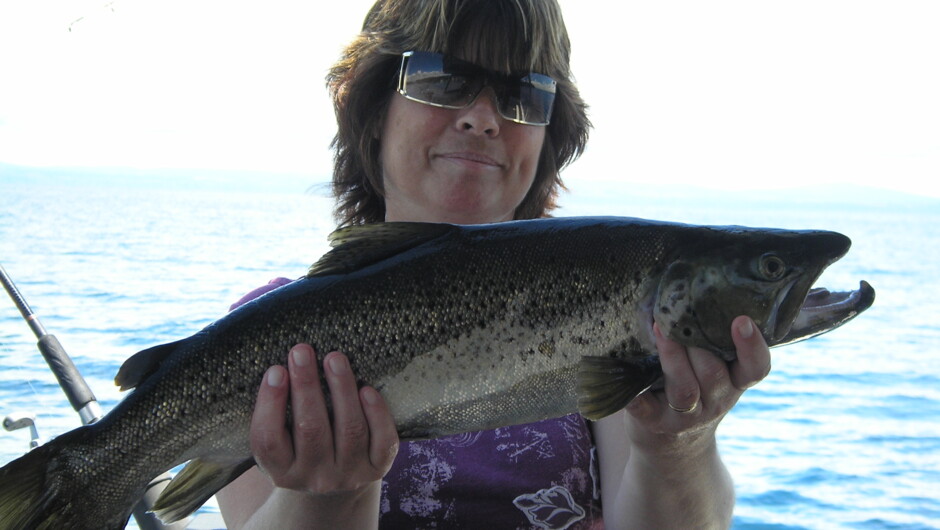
point(824, 310)
point(778, 325)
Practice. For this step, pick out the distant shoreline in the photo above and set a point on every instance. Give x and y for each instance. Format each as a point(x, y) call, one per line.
point(581, 193)
point(187, 179)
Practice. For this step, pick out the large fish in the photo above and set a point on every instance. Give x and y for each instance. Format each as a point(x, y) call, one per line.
point(460, 328)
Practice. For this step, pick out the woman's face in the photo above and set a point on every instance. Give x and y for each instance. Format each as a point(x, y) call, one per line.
point(464, 166)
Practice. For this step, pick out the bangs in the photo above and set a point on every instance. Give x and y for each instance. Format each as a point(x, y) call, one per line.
point(501, 35)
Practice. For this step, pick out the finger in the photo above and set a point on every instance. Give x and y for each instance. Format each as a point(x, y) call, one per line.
point(711, 372)
point(270, 441)
point(681, 386)
point(753, 355)
point(313, 437)
point(383, 436)
point(350, 430)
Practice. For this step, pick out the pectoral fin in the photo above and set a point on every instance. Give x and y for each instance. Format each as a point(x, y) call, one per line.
point(606, 385)
point(193, 486)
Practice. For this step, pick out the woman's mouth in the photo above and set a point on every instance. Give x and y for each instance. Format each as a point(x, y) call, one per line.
point(470, 158)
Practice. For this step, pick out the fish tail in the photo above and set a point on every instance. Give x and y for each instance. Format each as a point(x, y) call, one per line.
point(25, 495)
point(37, 493)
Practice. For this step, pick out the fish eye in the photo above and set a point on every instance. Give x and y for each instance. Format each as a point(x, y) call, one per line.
point(770, 267)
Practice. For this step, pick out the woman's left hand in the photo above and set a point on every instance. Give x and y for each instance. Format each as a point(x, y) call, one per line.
point(670, 474)
point(700, 388)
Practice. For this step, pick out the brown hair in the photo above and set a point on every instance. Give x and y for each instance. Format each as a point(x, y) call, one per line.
point(503, 35)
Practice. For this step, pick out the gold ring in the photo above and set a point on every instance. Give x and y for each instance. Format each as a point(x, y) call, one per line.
point(683, 411)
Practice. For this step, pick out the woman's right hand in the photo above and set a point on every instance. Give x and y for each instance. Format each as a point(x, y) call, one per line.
point(347, 457)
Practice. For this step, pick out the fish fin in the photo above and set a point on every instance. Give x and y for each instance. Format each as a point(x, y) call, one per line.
point(142, 364)
point(192, 487)
point(22, 483)
point(606, 385)
point(37, 491)
point(355, 247)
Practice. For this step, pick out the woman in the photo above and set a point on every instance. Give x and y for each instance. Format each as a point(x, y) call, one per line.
point(464, 111)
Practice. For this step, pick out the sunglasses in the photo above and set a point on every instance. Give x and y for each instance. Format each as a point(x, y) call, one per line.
point(443, 81)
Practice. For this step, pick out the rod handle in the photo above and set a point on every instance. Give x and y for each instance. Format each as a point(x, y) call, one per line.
point(71, 381)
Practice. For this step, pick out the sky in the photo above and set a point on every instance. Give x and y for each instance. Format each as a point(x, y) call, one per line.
point(748, 94)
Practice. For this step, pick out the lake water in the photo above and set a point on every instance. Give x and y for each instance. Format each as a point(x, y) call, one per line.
point(844, 433)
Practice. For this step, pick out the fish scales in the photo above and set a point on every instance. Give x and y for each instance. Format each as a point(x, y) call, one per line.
point(460, 328)
point(515, 304)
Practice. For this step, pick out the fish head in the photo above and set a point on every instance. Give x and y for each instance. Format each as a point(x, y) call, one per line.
point(764, 274)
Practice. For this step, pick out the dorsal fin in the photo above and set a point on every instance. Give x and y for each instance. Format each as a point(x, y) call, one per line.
point(142, 364)
point(355, 247)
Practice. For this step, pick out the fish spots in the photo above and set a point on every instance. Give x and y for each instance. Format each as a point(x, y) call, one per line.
point(483, 362)
point(547, 348)
point(628, 347)
point(579, 340)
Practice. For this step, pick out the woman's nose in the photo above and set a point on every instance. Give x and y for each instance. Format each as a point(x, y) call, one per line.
point(481, 117)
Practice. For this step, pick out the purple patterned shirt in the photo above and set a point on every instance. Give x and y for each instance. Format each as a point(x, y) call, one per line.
point(539, 475)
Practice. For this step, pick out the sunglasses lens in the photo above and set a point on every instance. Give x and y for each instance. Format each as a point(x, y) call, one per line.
point(529, 100)
point(427, 79)
point(441, 81)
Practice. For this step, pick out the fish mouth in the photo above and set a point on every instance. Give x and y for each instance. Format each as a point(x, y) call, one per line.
point(781, 326)
point(823, 310)
point(800, 295)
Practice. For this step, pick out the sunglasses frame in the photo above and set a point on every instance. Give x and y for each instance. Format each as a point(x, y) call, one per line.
point(500, 83)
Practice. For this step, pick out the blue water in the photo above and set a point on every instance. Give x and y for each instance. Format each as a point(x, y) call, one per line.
point(844, 433)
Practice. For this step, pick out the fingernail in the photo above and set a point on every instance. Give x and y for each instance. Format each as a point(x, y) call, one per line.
point(338, 364)
point(301, 356)
point(275, 376)
point(746, 329)
point(370, 396)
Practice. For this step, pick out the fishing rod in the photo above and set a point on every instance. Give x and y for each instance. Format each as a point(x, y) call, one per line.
point(73, 384)
point(82, 399)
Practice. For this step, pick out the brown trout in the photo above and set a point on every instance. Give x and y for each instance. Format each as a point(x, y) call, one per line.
point(461, 328)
